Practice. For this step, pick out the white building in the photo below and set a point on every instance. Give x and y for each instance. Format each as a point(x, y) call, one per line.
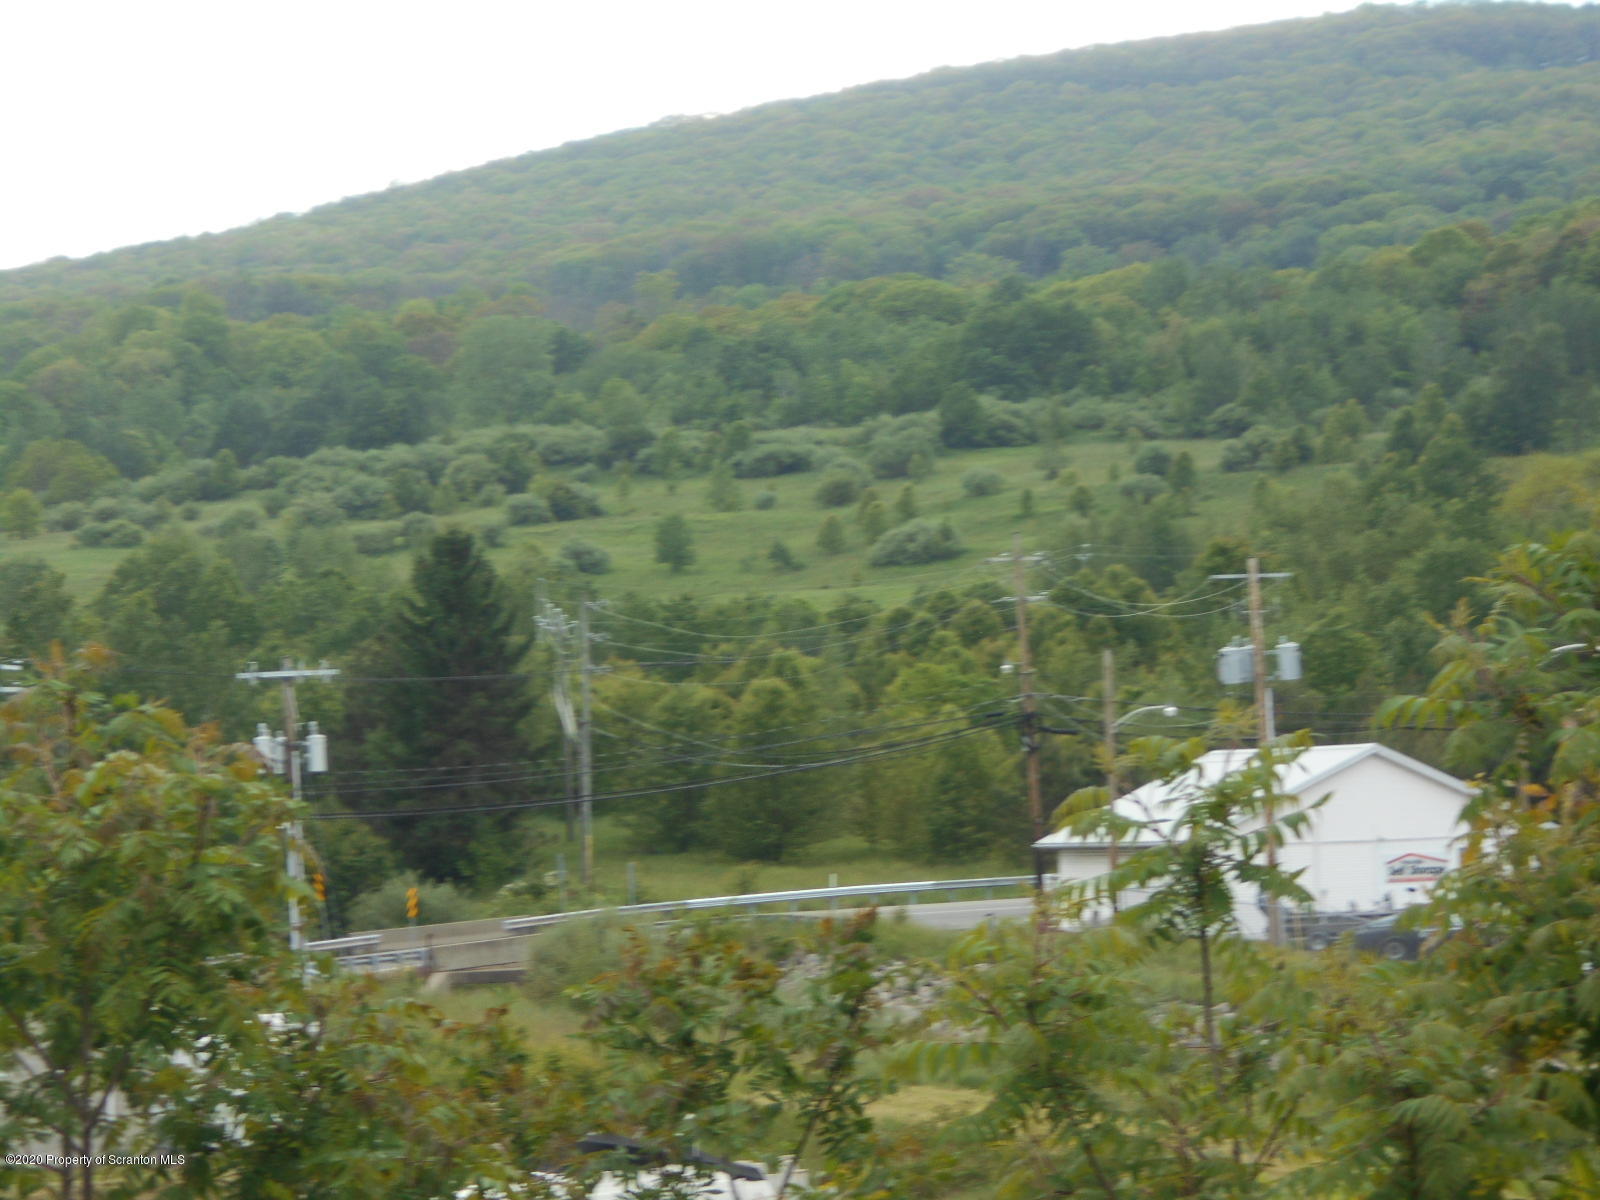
point(1388, 829)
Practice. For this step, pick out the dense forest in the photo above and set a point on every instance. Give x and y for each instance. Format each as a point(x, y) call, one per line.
point(1273, 146)
point(1326, 292)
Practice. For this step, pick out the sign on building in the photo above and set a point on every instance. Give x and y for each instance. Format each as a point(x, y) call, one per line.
point(1414, 868)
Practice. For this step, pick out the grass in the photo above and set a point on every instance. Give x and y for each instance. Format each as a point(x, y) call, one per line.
point(839, 862)
point(732, 547)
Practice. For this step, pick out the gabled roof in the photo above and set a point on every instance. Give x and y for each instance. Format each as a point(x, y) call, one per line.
point(1306, 776)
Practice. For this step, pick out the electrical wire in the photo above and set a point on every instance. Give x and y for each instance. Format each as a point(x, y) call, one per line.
point(455, 776)
point(871, 754)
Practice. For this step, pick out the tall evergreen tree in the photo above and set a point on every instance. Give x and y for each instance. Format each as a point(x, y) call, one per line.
point(455, 712)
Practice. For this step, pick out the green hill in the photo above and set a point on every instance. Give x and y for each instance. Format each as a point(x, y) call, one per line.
point(1273, 146)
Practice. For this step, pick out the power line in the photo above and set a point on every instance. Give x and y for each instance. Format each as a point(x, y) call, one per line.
point(871, 754)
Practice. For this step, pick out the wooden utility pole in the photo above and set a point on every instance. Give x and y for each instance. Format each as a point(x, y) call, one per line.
point(1028, 701)
point(295, 864)
point(585, 747)
point(1108, 699)
point(1266, 726)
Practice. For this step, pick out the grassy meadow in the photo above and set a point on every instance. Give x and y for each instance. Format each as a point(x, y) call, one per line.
point(732, 548)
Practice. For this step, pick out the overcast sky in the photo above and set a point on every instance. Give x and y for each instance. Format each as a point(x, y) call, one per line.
point(134, 122)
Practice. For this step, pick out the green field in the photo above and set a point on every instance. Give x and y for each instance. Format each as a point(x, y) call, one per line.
point(732, 547)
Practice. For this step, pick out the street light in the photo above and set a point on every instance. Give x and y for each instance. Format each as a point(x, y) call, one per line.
point(1166, 710)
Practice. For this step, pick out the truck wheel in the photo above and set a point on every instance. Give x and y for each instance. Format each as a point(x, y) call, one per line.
point(1396, 950)
point(1318, 941)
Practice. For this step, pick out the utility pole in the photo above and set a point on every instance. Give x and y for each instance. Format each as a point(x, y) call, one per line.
point(1266, 727)
point(1027, 700)
point(283, 756)
point(554, 626)
point(1108, 689)
point(1266, 718)
point(586, 748)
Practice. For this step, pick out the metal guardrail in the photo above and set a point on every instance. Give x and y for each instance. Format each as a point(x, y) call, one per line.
point(342, 947)
point(752, 901)
point(387, 960)
point(360, 952)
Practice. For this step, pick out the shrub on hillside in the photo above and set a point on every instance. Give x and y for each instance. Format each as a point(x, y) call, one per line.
point(418, 529)
point(571, 501)
point(918, 541)
point(765, 500)
point(585, 557)
point(1250, 451)
point(1153, 460)
point(893, 447)
point(1229, 421)
point(318, 510)
point(982, 481)
point(568, 445)
point(1144, 488)
point(1087, 414)
point(776, 458)
point(240, 520)
point(110, 533)
point(380, 539)
point(840, 487)
point(1005, 423)
point(362, 498)
point(527, 509)
point(66, 517)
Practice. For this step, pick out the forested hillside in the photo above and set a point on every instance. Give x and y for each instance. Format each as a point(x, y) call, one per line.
point(1273, 146)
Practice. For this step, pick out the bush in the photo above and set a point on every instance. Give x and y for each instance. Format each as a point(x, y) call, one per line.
point(493, 534)
point(1153, 460)
point(776, 458)
point(409, 489)
point(1249, 451)
point(385, 907)
point(240, 520)
point(527, 509)
point(418, 529)
point(1144, 488)
point(839, 488)
point(982, 481)
point(573, 953)
point(765, 500)
point(572, 501)
point(110, 533)
point(380, 539)
point(1087, 414)
point(318, 510)
point(919, 541)
point(782, 558)
point(895, 447)
point(470, 474)
point(585, 557)
point(568, 445)
point(362, 497)
point(66, 517)
point(1236, 456)
point(1229, 421)
point(1006, 424)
